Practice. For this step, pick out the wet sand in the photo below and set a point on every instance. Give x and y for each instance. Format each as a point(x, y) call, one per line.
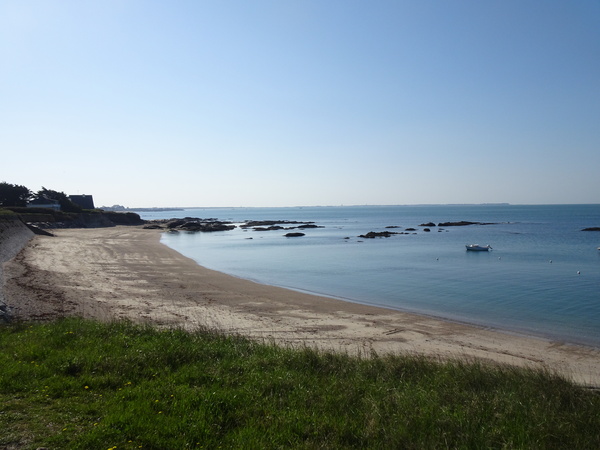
point(126, 273)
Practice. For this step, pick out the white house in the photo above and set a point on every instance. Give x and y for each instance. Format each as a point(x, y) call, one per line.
point(44, 202)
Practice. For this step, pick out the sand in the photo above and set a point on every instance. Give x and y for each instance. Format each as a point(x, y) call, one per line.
point(126, 273)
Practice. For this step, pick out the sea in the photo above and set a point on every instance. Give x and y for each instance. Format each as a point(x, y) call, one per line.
point(541, 278)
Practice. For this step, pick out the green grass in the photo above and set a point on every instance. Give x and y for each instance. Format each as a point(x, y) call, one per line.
point(6, 212)
point(85, 385)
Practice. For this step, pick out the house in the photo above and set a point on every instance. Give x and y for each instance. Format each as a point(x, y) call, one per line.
point(44, 202)
point(84, 201)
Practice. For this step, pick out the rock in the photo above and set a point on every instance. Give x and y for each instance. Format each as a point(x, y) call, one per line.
point(38, 230)
point(203, 226)
point(462, 223)
point(428, 224)
point(220, 227)
point(217, 226)
point(261, 223)
point(190, 226)
point(123, 218)
point(5, 313)
point(294, 234)
point(271, 228)
point(456, 224)
point(427, 230)
point(152, 226)
point(591, 229)
point(410, 229)
point(380, 234)
point(175, 223)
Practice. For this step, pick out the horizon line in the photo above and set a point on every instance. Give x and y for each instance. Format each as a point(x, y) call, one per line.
point(353, 205)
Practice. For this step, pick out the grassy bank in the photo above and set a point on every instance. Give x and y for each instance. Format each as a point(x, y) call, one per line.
point(85, 385)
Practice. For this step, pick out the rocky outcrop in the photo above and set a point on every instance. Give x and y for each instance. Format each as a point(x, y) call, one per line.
point(171, 224)
point(266, 223)
point(296, 234)
point(190, 224)
point(428, 224)
point(123, 218)
point(274, 225)
point(462, 223)
point(377, 234)
point(271, 228)
point(208, 225)
point(193, 224)
point(591, 229)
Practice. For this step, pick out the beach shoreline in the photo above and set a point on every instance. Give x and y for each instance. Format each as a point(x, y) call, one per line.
point(125, 272)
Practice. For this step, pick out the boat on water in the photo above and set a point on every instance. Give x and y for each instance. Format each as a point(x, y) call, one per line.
point(478, 248)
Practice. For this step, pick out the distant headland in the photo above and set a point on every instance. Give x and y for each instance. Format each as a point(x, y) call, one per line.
point(153, 209)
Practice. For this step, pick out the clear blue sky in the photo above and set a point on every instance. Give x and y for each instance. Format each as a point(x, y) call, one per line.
point(293, 102)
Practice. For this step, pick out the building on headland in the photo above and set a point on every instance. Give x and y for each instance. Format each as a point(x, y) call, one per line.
point(84, 201)
point(44, 202)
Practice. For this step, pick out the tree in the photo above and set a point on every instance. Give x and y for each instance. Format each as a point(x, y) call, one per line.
point(14, 194)
point(65, 204)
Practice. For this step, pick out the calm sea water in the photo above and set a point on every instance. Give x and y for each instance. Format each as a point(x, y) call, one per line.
point(542, 277)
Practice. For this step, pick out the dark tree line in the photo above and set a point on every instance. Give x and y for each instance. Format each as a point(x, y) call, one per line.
point(17, 195)
point(14, 195)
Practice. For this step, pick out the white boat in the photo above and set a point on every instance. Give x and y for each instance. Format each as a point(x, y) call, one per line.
point(478, 248)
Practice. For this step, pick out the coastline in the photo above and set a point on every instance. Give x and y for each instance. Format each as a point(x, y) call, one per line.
point(125, 272)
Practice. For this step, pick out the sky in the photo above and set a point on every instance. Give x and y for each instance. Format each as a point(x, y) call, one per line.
point(208, 103)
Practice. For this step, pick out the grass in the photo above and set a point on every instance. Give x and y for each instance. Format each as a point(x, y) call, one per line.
point(85, 385)
point(6, 212)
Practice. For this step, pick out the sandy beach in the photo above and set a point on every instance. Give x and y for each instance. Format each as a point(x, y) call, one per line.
point(126, 273)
